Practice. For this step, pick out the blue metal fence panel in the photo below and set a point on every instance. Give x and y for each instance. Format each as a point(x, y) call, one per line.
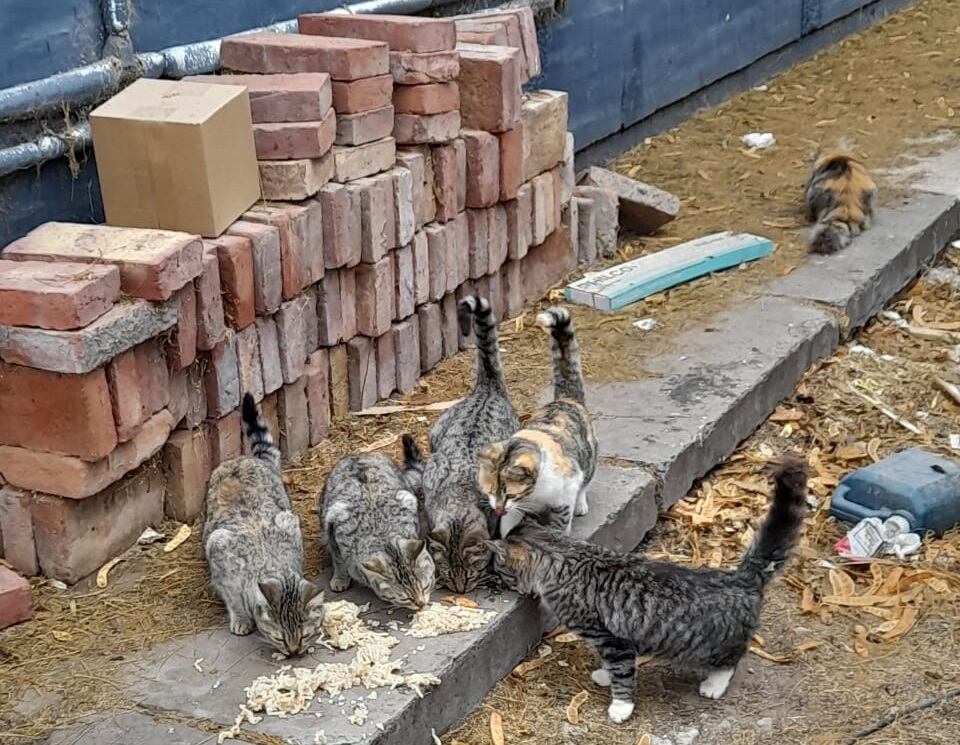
point(818, 13)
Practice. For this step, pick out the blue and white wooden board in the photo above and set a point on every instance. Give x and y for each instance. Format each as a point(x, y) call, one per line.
point(621, 285)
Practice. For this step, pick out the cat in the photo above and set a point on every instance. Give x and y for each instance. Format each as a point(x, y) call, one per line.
point(839, 198)
point(544, 469)
point(371, 520)
point(624, 606)
point(254, 546)
point(459, 526)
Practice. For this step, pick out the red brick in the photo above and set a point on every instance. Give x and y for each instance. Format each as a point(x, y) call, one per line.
point(364, 126)
point(269, 341)
point(489, 87)
point(479, 250)
point(544, 131)
point(318, 395)
point(342, 226)
point(56, 295)
point(348, 302)
point(268, 52)
point(512, 287)
point(431, 336)
point(329, 316)
point(311, 323)
point(412, 68)
point(179, 397)
point(291, 140)
point(568, 176)
point(182, 342)
point(462, 237)
point(556, 204)
point(71, 477)
point(235, 257)
point(460, 148)
point(416, 161)
point(498, 238)
point(372, 196)
point(294, 418)
point(495, 294)
point(407, 343)
point(445, 174)
point(544, 213)
point(297, 97)
point(426, 129)
point(547, 265)
point(362, 372)
point(339, 382)
point(351, 163)
point(210, 320)
point(571, 221)
point(451, 262)
point(16, 526)
point(400, 33)
point(450, 325)
point(434, 98)
point(293, 180)
point(483, 168)
point(586, 230)
point(123, 377)
point(519, 223)
point(221, 378)
point(366, 94)
point(421, 268)
point(403, 275)
point(389, 189)
point(248, 363)
point(154, 377)
point(16, 599)
point(292, 336)
point(386, 364)
point(225, 437)
point(501, 30)
point(374, 293)
point(269, 412)
point(511, 162)
point(186, 468)
point(404, 205)
point(468, 288)
point(296, 264)
point(307, 217)
point(196, 395)
point(437, 239)
point(267, 262)
point(528, 32)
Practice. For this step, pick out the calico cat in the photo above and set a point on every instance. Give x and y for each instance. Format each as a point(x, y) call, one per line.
point(544, 469)
point(459, 527)
point(839, 198)
point(370, 516)
point(700, 620)
point(254, 546)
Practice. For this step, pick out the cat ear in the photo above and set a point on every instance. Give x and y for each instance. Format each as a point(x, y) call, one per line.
point(440, 536)
point(475, 538)
point(272, 590)
point(309, 591)
point(375, 565)
point(498, 548)
point(491, 453)
point(411, 549)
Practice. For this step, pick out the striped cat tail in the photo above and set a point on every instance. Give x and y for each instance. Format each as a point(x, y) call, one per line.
point(258, 433)
point(567, 371)
point(474, 311)
point(781, 527)
point(413, 463)
point(830, 236)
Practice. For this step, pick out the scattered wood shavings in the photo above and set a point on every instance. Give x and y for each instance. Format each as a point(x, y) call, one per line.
point(359, 715)
point(105, 570)
point(400, 409)
point(573, 708)
point(196, 664)
point(181, 536)
point(461, 601)
point(245, 716)
point(496, 728)
point(438, 619)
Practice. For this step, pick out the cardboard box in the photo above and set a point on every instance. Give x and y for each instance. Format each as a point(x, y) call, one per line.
point(178, 156)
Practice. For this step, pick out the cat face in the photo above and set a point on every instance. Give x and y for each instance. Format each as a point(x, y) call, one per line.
point(461, 556)
point(402, 575)
point(289, 613)
point(507, 474)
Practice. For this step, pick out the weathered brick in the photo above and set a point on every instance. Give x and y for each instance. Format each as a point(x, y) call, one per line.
point(568, 178)
point(221, 378)
point(329, 316)
point(511, 162)
point(431, 336)
point(296, 263)
point(307, 219)
point(450, 325)
point(294, 418)
point(196, 395)
point(225, 437)
point(248, 363)
point(351, 163)
point(483, 168)
point(544, 131)
point(445, 174)
point(528, 33)
point(292, 337)
point(462, 236)
point(400, 33)
point(451, 261)
point(416, 160)
point(56, 295)
point(341, 226)
point(311, 323)
point(74, 478)
point(271, 368)
point(557, 188)
point(268, 275)
point(403, 277)
point(423, 129)
point(179, 397)
point(543, 215)
point(154, 377)
point(375, 297)
point(547, 265)
point(235, 256)
point(386, 364)
point(498, 237)
point(519, 223)
point(293, 180)
point(293, 140)
point(153, 264)
point(186, 468)
point(388, 190)
point(479, 250)
point(295, 97)
point(407, 344)
point(437, 238)
point(123, 377)
point(489, 87)
point(460, 148)
point(372, 194)
point(606, 217)
point(435, 98)
point(412, 68)
point(210, 320)
point(643, 208)
point(339, 382)
point(512, 286)
point(491, 30)
point(348, 302)
point(362, 372)
point(16, 527)
point(404, 205)
point(495, 294)
point(317, 379)
point(366, 94)
point(364, 126)
point(421, 268)
point(16, 599)
point(268, 52)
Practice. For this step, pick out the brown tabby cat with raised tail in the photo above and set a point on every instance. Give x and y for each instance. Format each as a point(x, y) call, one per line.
point(544, 469)
point(839, 199)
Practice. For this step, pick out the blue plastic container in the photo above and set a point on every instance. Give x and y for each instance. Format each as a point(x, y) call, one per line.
point(919, 485)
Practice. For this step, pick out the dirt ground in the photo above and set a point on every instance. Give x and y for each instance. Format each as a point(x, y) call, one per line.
point(875, 90)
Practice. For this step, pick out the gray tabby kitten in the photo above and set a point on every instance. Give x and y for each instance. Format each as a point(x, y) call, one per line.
point(371, 520)
point(459, 527)
point(700, 620)
point(254, 547)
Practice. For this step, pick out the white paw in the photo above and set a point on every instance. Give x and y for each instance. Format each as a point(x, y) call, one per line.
point(339, 584)
point(241, 629)
point(620, 711)
point(716, 683)
point(601, 677)
point(582, 509)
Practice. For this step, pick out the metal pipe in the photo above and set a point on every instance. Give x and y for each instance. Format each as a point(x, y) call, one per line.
point(48, 147)
point(73, 87)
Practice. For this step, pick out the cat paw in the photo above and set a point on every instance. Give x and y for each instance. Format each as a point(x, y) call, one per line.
point(716, 683)
point(339, 584)
point(241, 628)
point(582, 509)
point(620, 711)
point(601, 677)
